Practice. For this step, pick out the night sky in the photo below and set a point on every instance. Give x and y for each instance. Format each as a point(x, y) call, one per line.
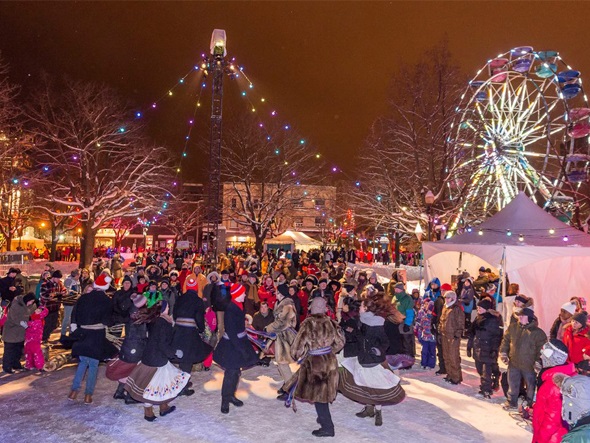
point(324, 66)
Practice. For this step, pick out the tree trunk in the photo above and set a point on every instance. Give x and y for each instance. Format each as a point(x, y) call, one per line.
point(87, 246)
point(8, 242)
point(53, 250)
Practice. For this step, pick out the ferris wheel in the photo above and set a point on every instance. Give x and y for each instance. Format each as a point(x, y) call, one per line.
point(522, 125)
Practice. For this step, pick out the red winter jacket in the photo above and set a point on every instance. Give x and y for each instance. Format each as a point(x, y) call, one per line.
point(548, 427)
point(576, 342)
point(268, 294)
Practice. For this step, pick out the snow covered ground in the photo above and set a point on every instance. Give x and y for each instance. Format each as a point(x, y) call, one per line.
point(35, 409)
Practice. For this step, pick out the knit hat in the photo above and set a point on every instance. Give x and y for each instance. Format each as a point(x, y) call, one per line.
point(521, 298)
point(349, 270)
point(485, 303)
point(569, 307)
point(138, 300)
point(581, 317)
point(399, 285)
point(13, 271)
point(28, 297)
point(236, 290)
point(153, 283)
point(127, 278)
point(191, 282)
point(225, 271)
point(165, 280)
point(576, 397)
point(554, 353)
point(318, 306)
point(482, 269)
point(56, 274)
point(528, 312)
point(323, 280)
point(445, 287)
point(102, 281)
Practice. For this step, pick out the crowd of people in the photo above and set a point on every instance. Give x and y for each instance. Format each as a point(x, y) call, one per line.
point(160, 318)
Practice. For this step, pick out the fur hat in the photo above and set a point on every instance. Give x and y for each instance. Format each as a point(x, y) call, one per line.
point(335, 282)
point(313, 279)
point(13, 271)
point(212, 274)
point(103, 281)
point(349, 287)
point(28, 297)
point(485, 303)
point(318, 306)
point(581, 317)
point(138, 300)
point(569, 307)
point(191, 282)
point(173, 273)
point(323, 280)
point(236, 290)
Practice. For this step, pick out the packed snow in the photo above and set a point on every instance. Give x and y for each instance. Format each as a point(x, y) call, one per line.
point(35, 408)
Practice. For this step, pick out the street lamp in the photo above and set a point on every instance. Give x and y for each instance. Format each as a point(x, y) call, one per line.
point(429, 200)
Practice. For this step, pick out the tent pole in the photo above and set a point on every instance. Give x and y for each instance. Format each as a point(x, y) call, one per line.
point(504, 284)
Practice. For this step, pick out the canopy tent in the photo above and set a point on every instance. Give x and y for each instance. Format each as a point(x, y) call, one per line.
point(546, 257)
point(28, 242)
point(294, 240)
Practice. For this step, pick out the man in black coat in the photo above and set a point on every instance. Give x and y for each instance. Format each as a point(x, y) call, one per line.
point(323, 291)
point(122, 303)
point(220, 298)
point(439, 304)
point(9, 287)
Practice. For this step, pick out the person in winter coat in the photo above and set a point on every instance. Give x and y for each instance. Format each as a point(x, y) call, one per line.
point(316, 381)
point(576, 397)
point(9, 287)
point(467, 297)
point(485, 336)
point(122, 303)
point(72, 284)
point(520, 349)
point(169, 293)
point(365, 377)
point(252, 300)
point(405, 305)
point(323, 291)
point(375, 282)
point(220, 299)
point(433, 291)
point(234, 352)
point(575, 337)
point(452, 324)
point(91, 316)
point(34, 358)
point(52, 292)
point(267, 292)
point(189, 316)
point(14, 331)
point(548, 427)
point(564, 319)
point(425, 334)
point(285, 321)
point(85, 280)
point(152, 294)
point(439, 304)
point(212, 280)
point(155, 381)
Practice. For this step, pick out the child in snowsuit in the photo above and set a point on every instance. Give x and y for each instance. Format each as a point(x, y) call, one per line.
point(33, 335)
point(425, 335)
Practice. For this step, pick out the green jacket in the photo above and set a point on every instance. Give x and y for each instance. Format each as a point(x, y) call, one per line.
point(405, 304)
point(523, 345)
point(579, 434)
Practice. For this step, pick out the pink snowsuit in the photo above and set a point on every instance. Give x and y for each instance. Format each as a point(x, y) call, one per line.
point(33, 334)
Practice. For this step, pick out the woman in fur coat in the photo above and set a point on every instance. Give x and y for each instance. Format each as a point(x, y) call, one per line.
point(366, 377)
point(284, 326)
point(316, 381)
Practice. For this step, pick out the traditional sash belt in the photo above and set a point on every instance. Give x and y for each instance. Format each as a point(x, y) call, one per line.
point(95, 327)
point(240, 335)
point(186, 322)
point(320, 351)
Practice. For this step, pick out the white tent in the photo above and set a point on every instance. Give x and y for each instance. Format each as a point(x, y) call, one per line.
point(547, 258)
point(297, 240)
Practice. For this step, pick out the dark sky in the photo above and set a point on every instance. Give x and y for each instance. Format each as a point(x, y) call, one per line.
point(325, 66)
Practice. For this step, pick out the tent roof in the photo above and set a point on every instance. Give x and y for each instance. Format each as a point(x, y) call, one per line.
point(289, 237)
point(521, 216)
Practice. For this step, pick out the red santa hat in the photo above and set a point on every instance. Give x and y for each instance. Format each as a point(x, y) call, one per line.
point(191, 282)
point(445, 287)
point(103, 281)
point(236, 290)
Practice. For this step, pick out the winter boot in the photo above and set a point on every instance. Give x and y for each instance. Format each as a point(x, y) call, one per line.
point(120, 392)
point(88, 399)
point(323, 433)
point(368, 411)
point(165, 409)
point(128, 399)
point(187, 391)
point(73, 395)
point(235, 401)
point(378, 418)
point(225, 405)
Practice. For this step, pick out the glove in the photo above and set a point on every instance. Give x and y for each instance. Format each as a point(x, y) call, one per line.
point(504, 358)
point(406, 328)
point(179, 353)
point(469, 353)
point(24, 324)
point(73, 327)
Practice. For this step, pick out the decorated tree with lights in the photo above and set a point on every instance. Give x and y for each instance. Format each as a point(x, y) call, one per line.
point(92, 159)
point(266, 169)
point(407, 152)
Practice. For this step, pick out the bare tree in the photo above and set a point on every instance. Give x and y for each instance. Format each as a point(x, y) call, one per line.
point(183, 216)
point(407, 151)
point(93, 161)
point(264, 171)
